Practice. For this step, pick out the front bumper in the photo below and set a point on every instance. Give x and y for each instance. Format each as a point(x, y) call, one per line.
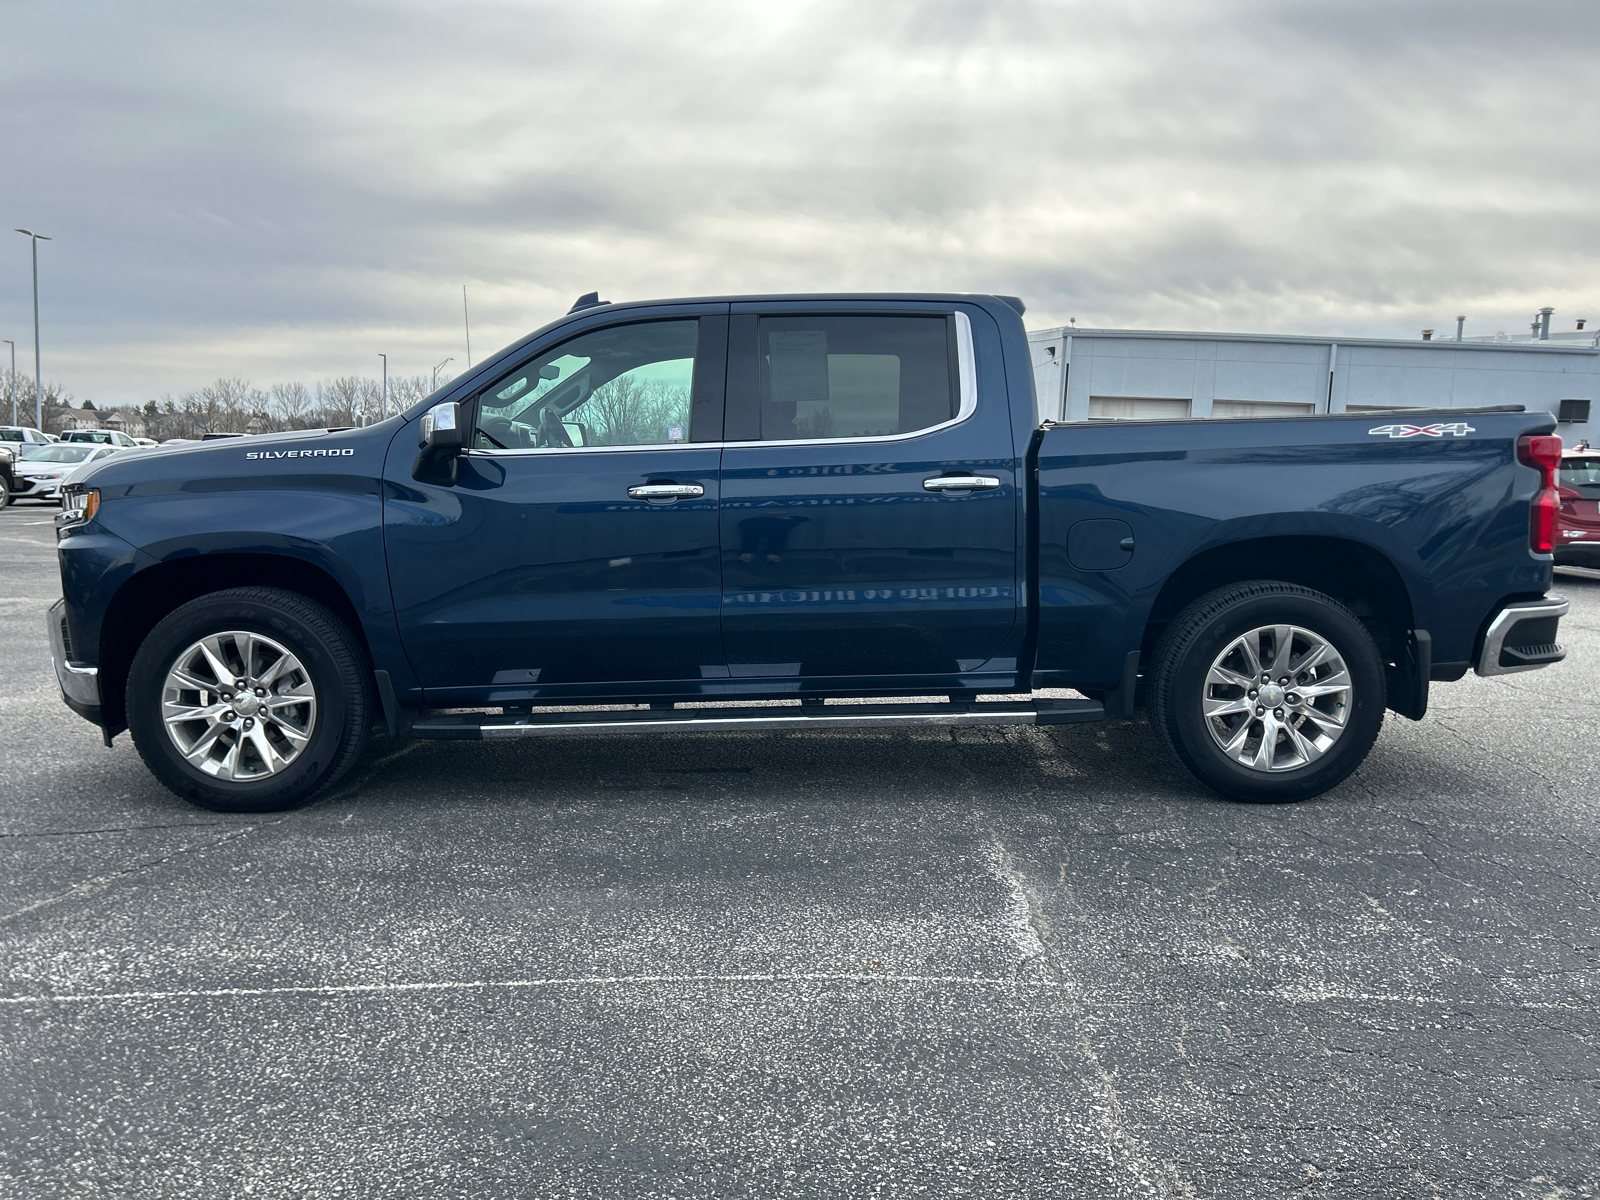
point(36, 489)
point(1522, 637)
point(80, 685)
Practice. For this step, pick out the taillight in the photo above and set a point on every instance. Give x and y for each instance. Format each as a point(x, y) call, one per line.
point(1543, 453)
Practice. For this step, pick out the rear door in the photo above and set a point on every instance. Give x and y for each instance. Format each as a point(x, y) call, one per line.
point(577, 549)
point(846, 551)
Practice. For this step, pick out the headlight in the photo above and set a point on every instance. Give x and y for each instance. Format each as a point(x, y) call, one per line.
point(78, 505)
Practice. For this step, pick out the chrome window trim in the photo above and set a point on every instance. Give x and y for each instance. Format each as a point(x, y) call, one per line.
point(966, 370)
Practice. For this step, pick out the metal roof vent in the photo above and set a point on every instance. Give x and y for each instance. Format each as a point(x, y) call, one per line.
point(587, 300)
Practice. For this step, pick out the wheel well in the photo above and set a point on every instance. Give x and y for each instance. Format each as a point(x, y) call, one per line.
point(1356, 575)
point(150, 595)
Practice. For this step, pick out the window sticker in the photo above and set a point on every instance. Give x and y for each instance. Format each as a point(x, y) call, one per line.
point(674, 433)
point(798, 365)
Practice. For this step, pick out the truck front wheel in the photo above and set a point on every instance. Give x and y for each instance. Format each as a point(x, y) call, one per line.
point(249, 700)
point(1269, 692)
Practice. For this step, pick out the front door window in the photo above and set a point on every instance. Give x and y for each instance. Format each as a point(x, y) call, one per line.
point(629, 385)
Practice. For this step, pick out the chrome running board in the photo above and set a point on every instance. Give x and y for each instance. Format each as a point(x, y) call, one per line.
point(755, 719)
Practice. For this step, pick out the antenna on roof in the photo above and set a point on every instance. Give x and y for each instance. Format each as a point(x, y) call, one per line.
point(587, 300)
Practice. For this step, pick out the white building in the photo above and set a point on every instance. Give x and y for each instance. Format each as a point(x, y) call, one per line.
point(1106, 374)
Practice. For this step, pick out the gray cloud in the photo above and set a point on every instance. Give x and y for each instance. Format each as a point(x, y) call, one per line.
point(283, 192)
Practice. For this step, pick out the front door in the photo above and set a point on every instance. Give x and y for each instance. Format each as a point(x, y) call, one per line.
point(578, 547)
point(843, 557)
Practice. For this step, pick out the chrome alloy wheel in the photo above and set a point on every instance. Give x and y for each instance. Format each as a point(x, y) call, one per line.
point(1277, 698)
point(239, 706)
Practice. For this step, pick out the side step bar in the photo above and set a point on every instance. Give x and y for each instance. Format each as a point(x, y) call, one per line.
point(476, 726)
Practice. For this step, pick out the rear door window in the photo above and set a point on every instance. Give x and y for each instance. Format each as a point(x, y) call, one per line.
point(826, 377)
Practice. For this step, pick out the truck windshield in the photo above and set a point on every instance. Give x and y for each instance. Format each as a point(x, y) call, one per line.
point(60, 454)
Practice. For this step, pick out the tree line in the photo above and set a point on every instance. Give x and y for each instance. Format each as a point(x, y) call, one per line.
point(227, 405)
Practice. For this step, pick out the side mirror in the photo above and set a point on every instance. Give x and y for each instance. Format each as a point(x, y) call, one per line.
point(441, 438)
point(440, 428)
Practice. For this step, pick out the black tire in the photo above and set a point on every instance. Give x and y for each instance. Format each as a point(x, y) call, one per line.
point(332, 659)
point(1204, 630)
point(5, 492)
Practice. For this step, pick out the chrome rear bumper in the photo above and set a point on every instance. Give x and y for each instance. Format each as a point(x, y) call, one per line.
point(1522, 637)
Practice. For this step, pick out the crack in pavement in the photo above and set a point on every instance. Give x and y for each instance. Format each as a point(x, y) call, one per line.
point(1158, 1179)
point(113, 829)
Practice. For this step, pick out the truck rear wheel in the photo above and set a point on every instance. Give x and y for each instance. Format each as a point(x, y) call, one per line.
point(249, 700)
point(1269, 692)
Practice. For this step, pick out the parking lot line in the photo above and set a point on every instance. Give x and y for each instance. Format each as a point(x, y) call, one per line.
point(465, 985)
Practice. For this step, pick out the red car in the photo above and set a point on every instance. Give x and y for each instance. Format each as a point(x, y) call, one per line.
point(1578, 518)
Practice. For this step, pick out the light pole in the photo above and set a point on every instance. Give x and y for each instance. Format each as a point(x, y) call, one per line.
point(467, 322)
point(436, 372)
point(38, 403)
point(11, 379)
point(385, 358)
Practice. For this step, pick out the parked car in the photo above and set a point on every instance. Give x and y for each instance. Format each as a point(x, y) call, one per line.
point(25, 435)
point(7, 479)
point(1577, 519)
point(40, 472)
point(147, 441)
point(813, 499)
point(100, 437)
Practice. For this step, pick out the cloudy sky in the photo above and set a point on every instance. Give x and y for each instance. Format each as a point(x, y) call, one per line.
point(283, 191)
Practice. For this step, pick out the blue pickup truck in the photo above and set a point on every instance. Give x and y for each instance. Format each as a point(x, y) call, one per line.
point(644, 516)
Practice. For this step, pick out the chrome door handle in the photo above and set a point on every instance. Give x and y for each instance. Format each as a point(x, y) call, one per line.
point(961, 483)
point(665, 491)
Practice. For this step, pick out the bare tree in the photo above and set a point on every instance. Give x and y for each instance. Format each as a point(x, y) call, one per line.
point(339, 400)
point(291, 405)
point(406, 390)
point(628, 412)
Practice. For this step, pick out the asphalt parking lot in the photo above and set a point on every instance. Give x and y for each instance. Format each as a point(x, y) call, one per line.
point(993, 963)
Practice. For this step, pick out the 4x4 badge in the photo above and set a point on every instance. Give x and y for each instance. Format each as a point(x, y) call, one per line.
point(1455, 429)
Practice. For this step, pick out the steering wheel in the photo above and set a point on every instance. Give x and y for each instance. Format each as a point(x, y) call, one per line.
point(501, 425)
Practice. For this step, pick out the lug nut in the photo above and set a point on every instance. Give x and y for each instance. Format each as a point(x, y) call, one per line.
point(249, 723)
point(1292, 698)
point(261, 691)
point(1284, 681)
point(1252, 693)
point(1259, 710)
point(229, 715)
point(1277, 712)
